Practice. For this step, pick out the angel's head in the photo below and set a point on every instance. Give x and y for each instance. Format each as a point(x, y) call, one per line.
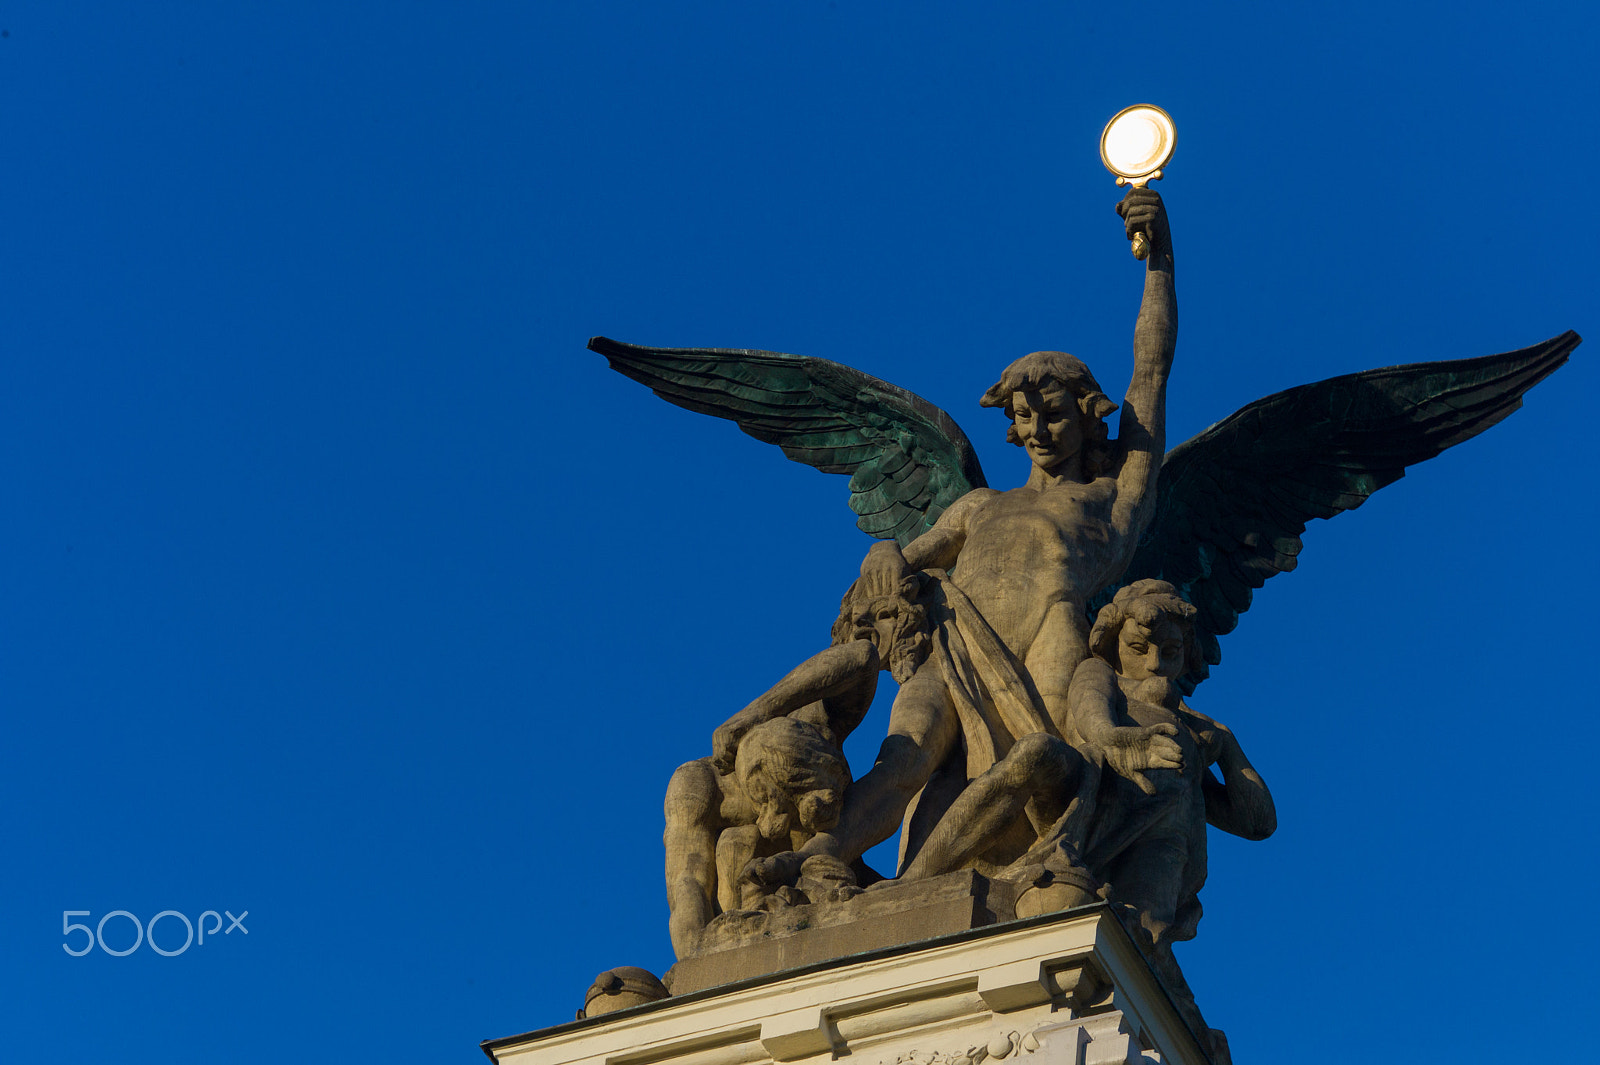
point(1147, 630)
point(895, 624)
point(795, 777)
point(1057, 411)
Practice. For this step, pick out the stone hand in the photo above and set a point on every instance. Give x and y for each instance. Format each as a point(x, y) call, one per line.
point(884, 570)
point(1143, 212)
point(725, 741)
point(1133, 750)
point(824, 878)
point(770, 874)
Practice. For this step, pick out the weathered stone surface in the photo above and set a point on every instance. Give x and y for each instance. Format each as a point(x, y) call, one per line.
point(886, 914)
point(621, 988)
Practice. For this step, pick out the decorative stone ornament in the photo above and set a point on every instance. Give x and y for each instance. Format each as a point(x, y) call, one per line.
point(619, 989)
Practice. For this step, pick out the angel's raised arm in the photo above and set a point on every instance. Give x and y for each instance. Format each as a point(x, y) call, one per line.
point(1142, 430)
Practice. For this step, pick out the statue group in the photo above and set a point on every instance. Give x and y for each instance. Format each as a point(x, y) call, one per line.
point(1045, 640)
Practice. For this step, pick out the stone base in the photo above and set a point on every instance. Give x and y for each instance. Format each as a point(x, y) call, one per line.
point(741, 946)
point(1068, 988)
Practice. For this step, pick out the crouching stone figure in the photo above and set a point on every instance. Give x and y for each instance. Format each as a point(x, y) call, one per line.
point(778, 774)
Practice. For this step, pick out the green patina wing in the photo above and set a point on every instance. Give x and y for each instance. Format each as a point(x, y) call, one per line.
point(1233, 501)
point(907, 459)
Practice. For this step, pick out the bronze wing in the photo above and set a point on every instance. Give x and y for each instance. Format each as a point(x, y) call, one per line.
point(907, 459)
point(1233, 501)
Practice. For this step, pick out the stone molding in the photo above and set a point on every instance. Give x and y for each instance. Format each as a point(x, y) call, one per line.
point(1068, 989)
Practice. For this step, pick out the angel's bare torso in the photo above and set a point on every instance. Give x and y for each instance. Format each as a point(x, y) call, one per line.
point(1032, 559)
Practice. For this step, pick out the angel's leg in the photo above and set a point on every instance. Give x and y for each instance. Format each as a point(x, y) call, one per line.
point(1039, 769)
point(922, 728)
point(1061, 644)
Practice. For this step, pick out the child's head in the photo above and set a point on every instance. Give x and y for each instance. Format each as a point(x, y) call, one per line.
point(1147, 630)
point(794, 775)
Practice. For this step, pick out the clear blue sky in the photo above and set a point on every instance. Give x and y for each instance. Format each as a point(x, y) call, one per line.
point(340, 584)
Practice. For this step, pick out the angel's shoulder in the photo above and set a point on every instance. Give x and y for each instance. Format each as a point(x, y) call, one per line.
point(974, 500)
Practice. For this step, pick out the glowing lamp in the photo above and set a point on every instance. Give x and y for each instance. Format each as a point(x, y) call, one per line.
point(1135, 145)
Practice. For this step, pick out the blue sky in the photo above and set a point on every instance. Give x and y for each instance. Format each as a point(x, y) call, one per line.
point(341, 585)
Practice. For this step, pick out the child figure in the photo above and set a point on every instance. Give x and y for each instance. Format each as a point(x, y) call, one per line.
point(794, 777)
point(1147, 839)
point(778, 775)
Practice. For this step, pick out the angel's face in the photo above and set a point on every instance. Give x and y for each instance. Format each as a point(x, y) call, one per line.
point(1153, 651)
point(1049, 425)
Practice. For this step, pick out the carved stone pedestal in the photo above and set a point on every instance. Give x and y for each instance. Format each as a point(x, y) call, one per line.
point(743, 946)
point(1065, 989)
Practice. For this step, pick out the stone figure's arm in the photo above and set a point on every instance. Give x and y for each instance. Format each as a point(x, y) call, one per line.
point(886, 565)
point(1129, 749)
point(846, 675)
point(1239, 803)
point(940, 546)
point(692, 807)
point(923, 729)
point(1142, 430)
point(736, 847)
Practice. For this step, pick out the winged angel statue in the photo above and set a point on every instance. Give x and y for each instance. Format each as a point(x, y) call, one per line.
point(1040, 732)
